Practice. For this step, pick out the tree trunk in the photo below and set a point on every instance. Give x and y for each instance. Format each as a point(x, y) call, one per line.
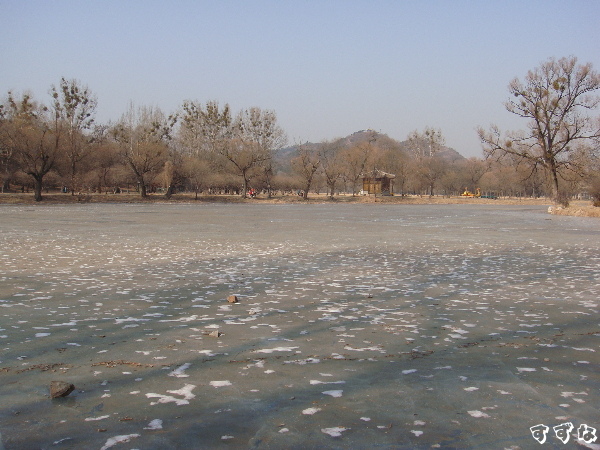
point(556, 197)
point(37, 188)
point(305, 193)
point(170, 191)
point(245, 184)
point(269, 191)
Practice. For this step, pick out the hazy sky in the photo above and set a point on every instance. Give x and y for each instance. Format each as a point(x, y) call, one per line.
point(327, 68)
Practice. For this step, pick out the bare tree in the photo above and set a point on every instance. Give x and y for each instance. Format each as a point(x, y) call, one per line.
point(593, 180)
point(105, 158)
point(306, 165)
point(172, 173)
point(205, 127)
point(204, 133)
point(355, 160)
point(141, 136)
point(397, 162)
point(428, 166)
point(8, 163)
point(332, 166)
point(426, 144)
point(472, 170)
point(29, 133)
point(557, 99)
point(196, 171)
point(259, 132)
point(73, 106)
point(244, 156)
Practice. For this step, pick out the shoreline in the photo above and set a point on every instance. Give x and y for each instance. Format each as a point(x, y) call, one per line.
point(579, 208)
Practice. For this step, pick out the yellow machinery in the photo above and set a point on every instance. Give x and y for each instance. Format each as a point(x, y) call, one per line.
point(468, 193)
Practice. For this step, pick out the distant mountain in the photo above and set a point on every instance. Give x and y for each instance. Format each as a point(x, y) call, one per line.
point(285, 155)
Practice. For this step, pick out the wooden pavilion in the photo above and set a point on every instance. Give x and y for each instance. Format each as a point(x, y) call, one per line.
point(378, 182)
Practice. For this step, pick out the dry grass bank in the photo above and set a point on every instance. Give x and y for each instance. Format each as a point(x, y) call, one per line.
point(577, 208)
point(59, 198)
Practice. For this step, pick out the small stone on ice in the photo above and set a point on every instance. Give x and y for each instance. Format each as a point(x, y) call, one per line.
point(60, 389)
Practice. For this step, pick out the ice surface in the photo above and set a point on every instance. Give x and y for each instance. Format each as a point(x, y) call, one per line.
point(446, 326)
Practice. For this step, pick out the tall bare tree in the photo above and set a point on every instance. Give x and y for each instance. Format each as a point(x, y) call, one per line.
point(204, 133)
point(393, 159)
point(205, 127)
point(428, 166)
point(141, 134)
point(8, 163)
point(74, 107)
point(260, 128)
point(306, 165)
point(472, 170)
point(332, 164)
point(31, 135)
point(557, 98)
point(355, 160)
point(196, 171)
point(243, 157)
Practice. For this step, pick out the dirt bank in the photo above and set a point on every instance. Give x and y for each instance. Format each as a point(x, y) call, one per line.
point(577, 208)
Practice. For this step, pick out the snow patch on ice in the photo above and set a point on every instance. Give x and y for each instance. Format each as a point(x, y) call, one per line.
point(118, 440)
point(185, 392)
point(334, 393)
point(526, 369)
point(89, 419)
point(276, 349)
point(155, 424)
point(478, 414)
point(179, 372)
point(326, 382)
point(130, 319)
point(334, 431)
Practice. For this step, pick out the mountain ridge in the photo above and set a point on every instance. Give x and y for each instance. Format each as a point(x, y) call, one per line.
point(364, 136)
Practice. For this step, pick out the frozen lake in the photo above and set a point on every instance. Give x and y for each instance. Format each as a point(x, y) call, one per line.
point(359, 326)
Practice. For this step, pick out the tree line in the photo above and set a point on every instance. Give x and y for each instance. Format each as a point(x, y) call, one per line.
point(206, 147)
